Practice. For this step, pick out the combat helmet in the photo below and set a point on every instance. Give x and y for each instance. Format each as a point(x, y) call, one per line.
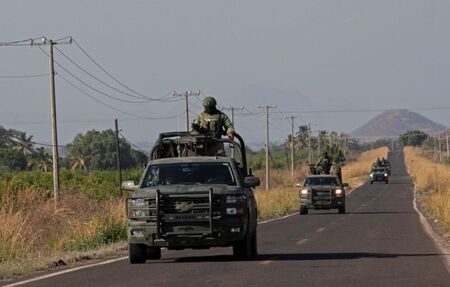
point(209, 102)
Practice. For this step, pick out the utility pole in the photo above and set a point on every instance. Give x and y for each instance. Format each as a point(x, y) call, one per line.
point(232, 109)
point(56, 189)
point(186, 96)
point(318, 144)
point(43, 41)
point(119, 167)
point(309, 144)
point(267, 107)
point(440, 148)
point(292, 148)
point(446, 138)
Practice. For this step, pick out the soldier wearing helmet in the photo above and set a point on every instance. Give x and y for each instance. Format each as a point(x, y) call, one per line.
point(212, 122)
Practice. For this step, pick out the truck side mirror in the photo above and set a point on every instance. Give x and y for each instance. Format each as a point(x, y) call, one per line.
point(129, 185)
point(252, 181)
point(345, 184)
point(250, 171)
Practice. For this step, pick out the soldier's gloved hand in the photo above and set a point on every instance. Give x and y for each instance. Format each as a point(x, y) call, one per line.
point(231, 136)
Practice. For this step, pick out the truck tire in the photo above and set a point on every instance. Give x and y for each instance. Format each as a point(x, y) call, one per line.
point(245, 248)
point(303, 210)
point(153, 253)
point(387, 181)
point(371, 182)
point(254, 245)
point(137, 253)
point(341, 209)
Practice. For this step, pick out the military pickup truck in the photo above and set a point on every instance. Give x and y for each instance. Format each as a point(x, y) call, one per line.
point(379, 174)
point(324, 191)
point(189, 198)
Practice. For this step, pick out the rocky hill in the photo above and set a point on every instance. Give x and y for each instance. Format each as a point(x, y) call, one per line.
point(394, 123)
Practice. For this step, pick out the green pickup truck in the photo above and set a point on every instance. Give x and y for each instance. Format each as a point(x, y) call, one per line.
point(188, 198)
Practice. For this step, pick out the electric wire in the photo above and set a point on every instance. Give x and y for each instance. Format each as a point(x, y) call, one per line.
point(133, 144)
point(146, 99)
point(111, 107)
point(23, 76)
point(110, 75)
point(90, 86)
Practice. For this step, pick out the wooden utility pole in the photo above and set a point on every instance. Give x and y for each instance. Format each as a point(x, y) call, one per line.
point(186, 97)
point(446, 138)
point(56, 189)
point(292, 148)
point(440, 148)
point(267, 144)
point(309, 144)
point(119, 167)
point(232, 109)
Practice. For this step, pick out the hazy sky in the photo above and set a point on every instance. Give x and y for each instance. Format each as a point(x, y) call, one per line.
point(298, 55)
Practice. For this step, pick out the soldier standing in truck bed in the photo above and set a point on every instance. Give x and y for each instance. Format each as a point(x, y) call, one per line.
point(212, 122)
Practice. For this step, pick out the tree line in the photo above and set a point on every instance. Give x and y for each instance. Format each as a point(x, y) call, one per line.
point(93, 150)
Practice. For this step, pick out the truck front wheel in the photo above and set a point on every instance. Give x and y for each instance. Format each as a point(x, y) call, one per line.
point(246, 248)
point(303, 210)
point(137, 253)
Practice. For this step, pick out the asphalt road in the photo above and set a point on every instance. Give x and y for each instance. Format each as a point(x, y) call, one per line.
point(379, 242)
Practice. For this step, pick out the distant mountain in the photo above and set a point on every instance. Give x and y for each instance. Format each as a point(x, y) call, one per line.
point(394, 123)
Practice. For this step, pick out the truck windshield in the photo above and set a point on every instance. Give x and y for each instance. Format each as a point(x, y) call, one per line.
point(189, 173)
point(321, 181)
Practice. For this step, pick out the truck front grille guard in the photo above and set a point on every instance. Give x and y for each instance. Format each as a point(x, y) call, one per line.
point(158, 209)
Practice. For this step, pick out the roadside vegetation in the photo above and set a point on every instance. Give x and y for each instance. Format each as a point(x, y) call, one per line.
point(432, 180)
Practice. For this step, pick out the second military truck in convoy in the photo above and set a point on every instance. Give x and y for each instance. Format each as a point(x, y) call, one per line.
point(322, 191)
point(190, 198)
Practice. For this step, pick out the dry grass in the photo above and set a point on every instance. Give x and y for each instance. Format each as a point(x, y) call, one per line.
point(33, 235)
point(356, 172)
point(432, 181)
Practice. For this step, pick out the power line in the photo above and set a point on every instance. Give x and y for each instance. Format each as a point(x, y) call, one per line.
point(91, 87)
point(134, 145)
point(113, 108)
point(146, 99)
point(23, 76)
point(110, 75)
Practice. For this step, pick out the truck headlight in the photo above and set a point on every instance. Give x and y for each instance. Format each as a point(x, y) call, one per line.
point(385, 174)
point(137, 202)
point(136, 213)
point(304, 191)
point(371, 175)
point(338, 191)
point(235, 211)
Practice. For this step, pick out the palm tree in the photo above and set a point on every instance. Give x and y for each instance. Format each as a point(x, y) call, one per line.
point(40, 160)
point(23, 144)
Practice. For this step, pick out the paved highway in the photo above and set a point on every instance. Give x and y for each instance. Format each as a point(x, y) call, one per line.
point(379, 242)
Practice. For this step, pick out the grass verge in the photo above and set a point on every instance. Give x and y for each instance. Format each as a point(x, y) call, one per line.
point(432, 182)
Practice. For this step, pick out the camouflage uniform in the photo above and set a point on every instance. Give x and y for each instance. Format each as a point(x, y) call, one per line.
point(325, 163)
point(214, 123)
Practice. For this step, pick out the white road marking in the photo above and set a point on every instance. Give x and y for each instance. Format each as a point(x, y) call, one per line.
point(64, 272)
